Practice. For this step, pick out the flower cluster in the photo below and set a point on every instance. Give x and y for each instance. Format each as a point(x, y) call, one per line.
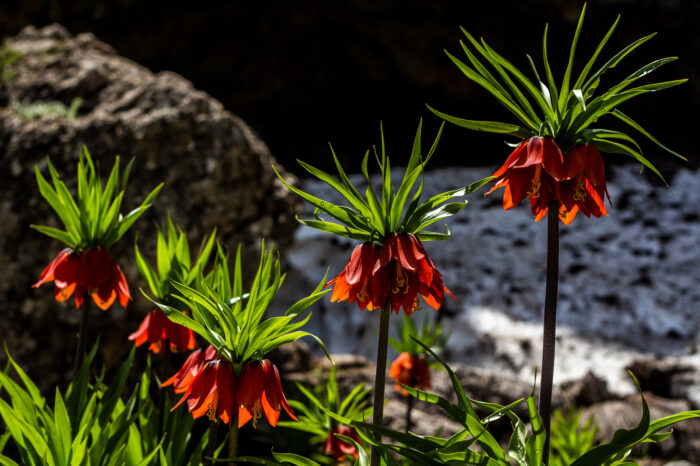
point(91, 272)
point(538, 170)
point(339, 448)
point(156, 329)
point(410, 370)
point(396, 272)
point(210, 387)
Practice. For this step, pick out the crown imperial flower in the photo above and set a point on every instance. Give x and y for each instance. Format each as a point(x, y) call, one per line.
point(552, 120)
point(339, 448)
point(158, 330)
point(92, 272)
point(260, 391)
point(183, 378)
point(212, 391)
point(410, 370)
point(398, 271)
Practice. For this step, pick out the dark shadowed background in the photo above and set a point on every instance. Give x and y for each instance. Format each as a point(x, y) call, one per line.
point(304, 73)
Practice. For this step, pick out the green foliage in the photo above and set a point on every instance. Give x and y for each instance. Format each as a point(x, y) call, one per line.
point(616, 451)
point(430, 333)
point(173, 261)
point(8, 57)
point(567, 112)
point(94, 220)
point(374, 217)
point(313, 415)
point(89, 424)
point(237, 330)
point(570, 439)
point(171, 433)
point(35, 110)
point(526, 443)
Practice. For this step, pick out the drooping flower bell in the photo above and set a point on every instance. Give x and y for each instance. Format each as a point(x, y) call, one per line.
point(583, 185)
point(356, 282)
point(260, 391)
point(183, 378)
point(92, 272)
point(405, 271)
point(212, 391)
point(157, 329)
point(532, 171)
point(339, 448)
point(410, 370)
point(398, 271)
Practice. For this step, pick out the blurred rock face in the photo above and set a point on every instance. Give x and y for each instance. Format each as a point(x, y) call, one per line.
point(217, 173)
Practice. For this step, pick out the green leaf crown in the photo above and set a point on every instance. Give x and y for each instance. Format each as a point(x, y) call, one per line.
point(94, 219)
point(374, 217)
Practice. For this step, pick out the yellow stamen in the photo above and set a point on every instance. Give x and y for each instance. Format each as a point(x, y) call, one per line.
point(257, 413)
point(362, 295)
point(534, 191)
point(211, 411)
point(401, 281)
point(580, 191)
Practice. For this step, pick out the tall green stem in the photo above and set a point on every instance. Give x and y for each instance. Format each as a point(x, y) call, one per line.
point(409, 409)
point(550, 322)
point(82, 337)
point(211, 442)
point(380, 377)
point(233, 439)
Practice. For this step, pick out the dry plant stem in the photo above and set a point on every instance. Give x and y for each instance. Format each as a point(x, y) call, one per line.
point(380, 377)
point(550, 322)
point(233, 439)
point(82, 337)
point(211, 442)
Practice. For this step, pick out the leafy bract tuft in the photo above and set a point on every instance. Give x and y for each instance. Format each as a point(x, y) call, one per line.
point(173, 261)
point(94, 219)
point(376, 215)
point(232, 320)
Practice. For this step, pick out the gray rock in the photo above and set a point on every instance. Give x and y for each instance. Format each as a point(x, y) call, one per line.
point(217, 173)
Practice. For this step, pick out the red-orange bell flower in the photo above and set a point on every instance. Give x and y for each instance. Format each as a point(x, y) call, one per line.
point(156, 328)
point(532, 170)
point(212, 391)
point(183, 378)
point(355, 282)
point(583, 185)
point(404, 271)
point(399, 271)
point(91, 272)
point(260, 391)
point(338, 448)
point(410, 370)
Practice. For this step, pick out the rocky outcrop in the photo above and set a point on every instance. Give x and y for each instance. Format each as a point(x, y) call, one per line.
point(61, 92)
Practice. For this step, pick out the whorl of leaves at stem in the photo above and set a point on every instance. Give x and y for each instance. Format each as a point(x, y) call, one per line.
point(431, 334)
point(376, 215)
point(232, 320)
point(173, 261)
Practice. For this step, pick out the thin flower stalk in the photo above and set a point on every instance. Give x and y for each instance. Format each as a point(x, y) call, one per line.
point(556, 163)
point(93, 223)
point(390, 270)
